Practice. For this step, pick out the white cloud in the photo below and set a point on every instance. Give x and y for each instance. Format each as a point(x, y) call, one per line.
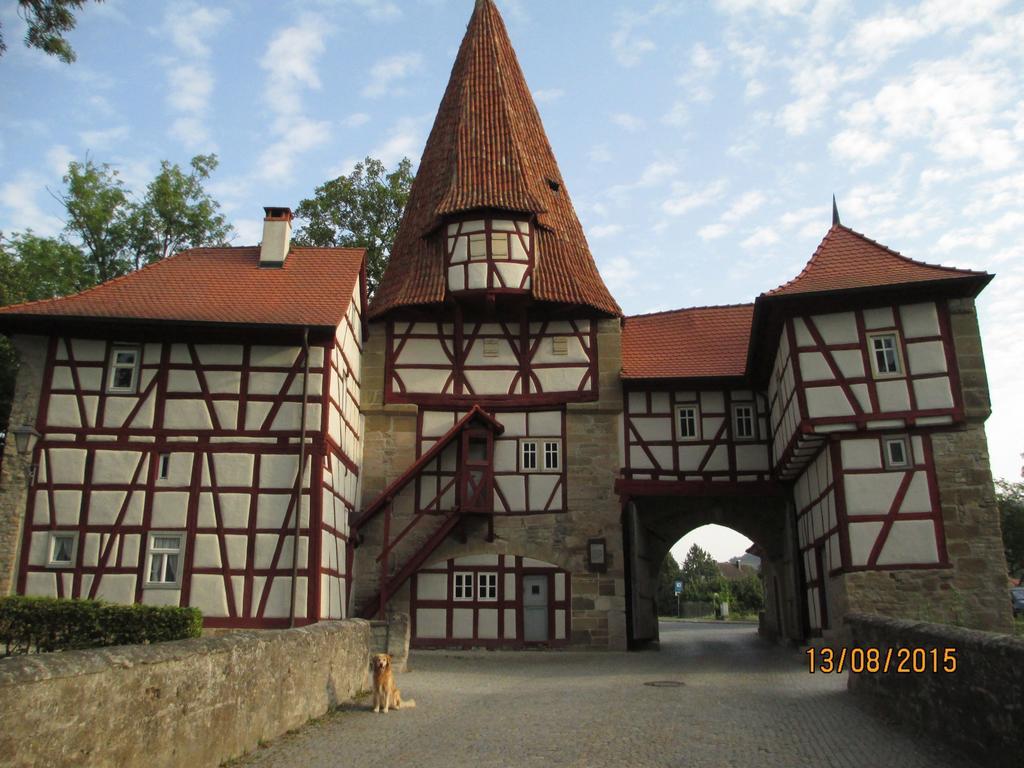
point(677, 116)
point(190, 131)
point(618, 273)
point(712, 231)
point(57, 158)
point(602, 231)
point(547, 95)
point(104, 138)
point(247, 231)
point(685, 199)
point(762, 236)
point(379, 10)
point(405, 139)
point(190, 79)
point(600, 153)
point(628, 122)
point(189, 87)
point(744, 205)
point(701, 71)
point(291, 63)
point(630, 44)
point(189, 26)
point(859, 148)
point(387, 72)
point(355, 120)
point(23, 212)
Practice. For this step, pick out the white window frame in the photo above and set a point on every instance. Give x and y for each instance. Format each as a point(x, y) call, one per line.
point(461, 580)
point(535, 446)
point(560, 346)
point(540, 452)
point(898, 353)
point(557, 453)
point(152, 550)
point(490, 348)
point(487, 586)
point(133, 387)
point(736, 407)
point(164, 467)
point(696, 422)
point(54, 535)
point(908, 456)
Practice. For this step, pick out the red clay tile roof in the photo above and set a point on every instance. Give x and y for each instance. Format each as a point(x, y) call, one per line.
point(488, 149)
point(846, 260)
point(219, 285)
point(702, 342)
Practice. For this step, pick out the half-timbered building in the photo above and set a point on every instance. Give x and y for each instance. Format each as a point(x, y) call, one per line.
point(490, 445)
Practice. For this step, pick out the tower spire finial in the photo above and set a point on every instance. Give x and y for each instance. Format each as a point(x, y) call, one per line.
point(835, 212)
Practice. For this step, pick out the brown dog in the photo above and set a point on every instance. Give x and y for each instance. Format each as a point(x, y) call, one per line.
point(385, 691)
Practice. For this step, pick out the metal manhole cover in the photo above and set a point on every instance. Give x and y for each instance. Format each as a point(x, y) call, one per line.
point(665, 684)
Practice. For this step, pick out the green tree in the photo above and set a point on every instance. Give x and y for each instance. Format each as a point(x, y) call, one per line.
point(118, 234)
point(47, 21)
point(1010, 498)
point(665, 593)
point(31, 268)
point(748, 592)
point(360, 210)
point(701, 577)
point(176, 213)
point(97, 211)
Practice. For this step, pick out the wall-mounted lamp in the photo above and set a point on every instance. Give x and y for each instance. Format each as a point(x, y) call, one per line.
point(25, 438)
point(597, 556)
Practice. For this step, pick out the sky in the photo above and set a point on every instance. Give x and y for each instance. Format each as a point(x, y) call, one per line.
point(701, 142)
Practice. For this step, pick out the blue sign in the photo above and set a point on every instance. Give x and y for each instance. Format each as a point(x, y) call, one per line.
point(679, 587)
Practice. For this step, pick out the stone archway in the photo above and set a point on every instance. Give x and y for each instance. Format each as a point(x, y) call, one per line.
point(653, 524)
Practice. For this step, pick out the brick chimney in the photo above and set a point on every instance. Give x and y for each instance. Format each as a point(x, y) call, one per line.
point(277, 237)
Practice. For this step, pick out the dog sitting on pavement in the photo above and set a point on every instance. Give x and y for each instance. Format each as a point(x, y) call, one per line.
point(385, 690)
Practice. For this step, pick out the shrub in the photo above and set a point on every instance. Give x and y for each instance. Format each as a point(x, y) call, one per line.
point(41, 624)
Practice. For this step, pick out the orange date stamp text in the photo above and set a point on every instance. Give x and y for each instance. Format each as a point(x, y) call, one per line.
point(903, 661)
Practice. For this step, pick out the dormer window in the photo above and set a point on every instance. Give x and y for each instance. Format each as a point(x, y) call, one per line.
point(489, 254)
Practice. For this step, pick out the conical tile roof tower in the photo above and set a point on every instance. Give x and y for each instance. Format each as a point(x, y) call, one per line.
point(488, 150)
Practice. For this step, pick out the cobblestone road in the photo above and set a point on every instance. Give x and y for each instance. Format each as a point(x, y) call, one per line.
point(743, 703)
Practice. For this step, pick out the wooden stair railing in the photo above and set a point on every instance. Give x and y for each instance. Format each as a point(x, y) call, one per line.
point(390, 585)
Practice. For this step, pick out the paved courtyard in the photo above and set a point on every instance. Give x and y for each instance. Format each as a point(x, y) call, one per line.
point(743, 702)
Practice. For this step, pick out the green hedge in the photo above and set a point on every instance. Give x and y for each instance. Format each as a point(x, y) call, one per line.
point(40, 624)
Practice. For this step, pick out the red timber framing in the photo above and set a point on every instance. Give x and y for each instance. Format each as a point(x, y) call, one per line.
point(657, 450)
point(487, 242)
point(205, 447)
point(495, 361)
point(542, 492)
point(508, 603)
point(396, 562)
point(825, 524)
point(848, 370)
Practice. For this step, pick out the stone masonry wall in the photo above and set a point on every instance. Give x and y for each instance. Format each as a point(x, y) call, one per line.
point(13, 477)
point(193, 702)
point(594, 511)
point(972, 592)
point(978, 708)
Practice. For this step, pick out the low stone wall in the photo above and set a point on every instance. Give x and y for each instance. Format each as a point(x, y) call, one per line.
point(392, 636)
point(978, 708)
point(192, 702)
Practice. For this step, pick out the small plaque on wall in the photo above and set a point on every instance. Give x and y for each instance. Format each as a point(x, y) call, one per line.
point(597, 555)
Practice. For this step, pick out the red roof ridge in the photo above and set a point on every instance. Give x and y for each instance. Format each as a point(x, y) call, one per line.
point(214, 284)
point(689, 309)
point(864, 280)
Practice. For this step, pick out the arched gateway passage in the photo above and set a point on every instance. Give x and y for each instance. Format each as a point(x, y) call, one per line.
point(652, 525)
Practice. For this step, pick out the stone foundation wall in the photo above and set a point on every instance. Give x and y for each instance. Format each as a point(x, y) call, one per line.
point(13, 473)
point(193, 702)
point(977, 709)
point(391, 636)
